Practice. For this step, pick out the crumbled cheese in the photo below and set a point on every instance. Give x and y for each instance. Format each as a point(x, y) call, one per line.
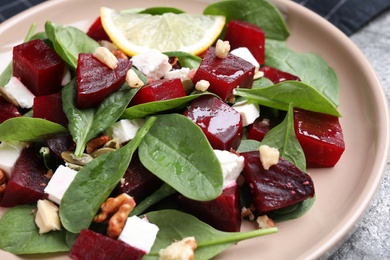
point(59, 183)
point(133, 80)
point(152, 63)
point(179, 250)
point(181, 74)
point(222, 49)
point(244, 53)
point(268, 156)
point(232, 165)
point(249, 112)
point(202, 85)
point(47, 217)
point(9, 153)
point(20, 93)
point(139, 233)
point(106, 56)
point(124, 130)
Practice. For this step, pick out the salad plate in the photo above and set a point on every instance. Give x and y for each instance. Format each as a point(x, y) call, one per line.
point(344, 192)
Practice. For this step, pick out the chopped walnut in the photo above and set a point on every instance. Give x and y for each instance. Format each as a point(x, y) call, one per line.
point(119, 54)
point(2, 183)
point(202, 85)
point(97, 142)
point(180, 250)
point(246, 212)
point(117, 210)
point(265, 222)
point(222, 49)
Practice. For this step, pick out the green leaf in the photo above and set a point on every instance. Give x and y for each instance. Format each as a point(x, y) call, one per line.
point(298, 211)
point(20, 235)
point(259, 12)
point(309, 67)
point(161, 10)
point(279, 96)
point(69, 41)
point(177, 151)
point(94, 183)
point(185, 59)
point(248, 146)
point(284, 139)
point(175, 225)
point(29, 129)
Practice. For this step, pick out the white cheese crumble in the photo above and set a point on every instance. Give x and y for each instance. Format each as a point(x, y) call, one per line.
point(20, 93)
point(59, 183)
point(9, 154)
point(249, 112)
point(232, 165)
point(152, 63)
point(125, 130)
point(269, 156)
point(47, 217)
point(181, 74)
point(244, 53)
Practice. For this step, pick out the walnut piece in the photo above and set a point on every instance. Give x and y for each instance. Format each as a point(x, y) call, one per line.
point(2, 183)
point(180, 250)
point(97, 142)
point(265, 222)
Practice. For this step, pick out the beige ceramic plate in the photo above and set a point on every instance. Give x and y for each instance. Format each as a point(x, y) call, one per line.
point(345, 191)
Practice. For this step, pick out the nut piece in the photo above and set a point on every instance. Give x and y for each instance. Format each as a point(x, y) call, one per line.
point(7, 96)
point(222, 49)
point(97, 142)
point(119, 54)
point(118, 210)
point(133, 80)
point(202, 85)
point(106, 56)
point(265, 222)
point(3, 184)
point(268, 156)
point(179, 250)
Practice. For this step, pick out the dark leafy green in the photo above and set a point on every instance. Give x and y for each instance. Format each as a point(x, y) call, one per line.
point(176, 225)
point(20, 235)
point(185, 59)
point(248, 145)
point(161, 10)
point(94, 183)
point(259, 12)
point(69, 41)
point(29, 129)
point(296, 211)
point(177, 151)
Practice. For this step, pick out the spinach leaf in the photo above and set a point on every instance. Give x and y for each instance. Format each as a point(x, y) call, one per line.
point(151, 108)
point(20, 235)
point(85, 124)
point(310, 67)
point(94, 183)
point(29, 129)
point(248, 146)
point(177, 151)
point(259, 12)
point(161, 10)
point(279, 96)
point(283, 138)
point(185, 59)
point(176, 225)
point(69, 41)
point(299, 210)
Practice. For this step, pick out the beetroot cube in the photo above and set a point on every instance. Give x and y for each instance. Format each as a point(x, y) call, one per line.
point(280, 186)
point(320, 136)
point(59, 144)
point(277, 76)
point(39, 67)
point(267, 120)
point(244, 34)
point(221, 123)
point(222, 213)
point(8, 110)
point(96, 81)
point(27, 182)
point(49, 107)
point(138, 181)
point(97, 32)
point(91, 246)
point(224, 75)
point(159, 90)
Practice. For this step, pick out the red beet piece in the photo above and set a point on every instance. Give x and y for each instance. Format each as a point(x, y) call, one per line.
point(96, 81)
point(60, 144)
point(39, 67)
point(267, 120)
point(8, 110)
point(97, 32)
point(222, 213)
point(281, 186)
point(27, 182)
point(159, 90)
point(138, 181)
point(244, 34)
point(221, 123)
point(277, 76)
point(49, 107)
point(91, 245)
point(224, 75)
point(320, 136)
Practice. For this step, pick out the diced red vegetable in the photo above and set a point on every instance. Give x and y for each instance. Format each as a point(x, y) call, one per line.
point(280, 186)
point(221, 123)
point(222, 213)
point(92, 245)
point(8, 110)
point(159, 90)
point(224, 75)
point(97, 32)
point(277, 76)
point(244, 34)
point(27, 182)
point(267, 120)
point(320, 136)
point(39, 67)
point(49, 107)
point(96, 81)
point(59, 144)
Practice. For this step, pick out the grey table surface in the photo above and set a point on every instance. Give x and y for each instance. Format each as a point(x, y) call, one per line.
point(371, 239)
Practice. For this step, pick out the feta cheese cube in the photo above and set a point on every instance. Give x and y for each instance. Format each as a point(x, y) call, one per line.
point(59, 183)
point(244, 53)
point(179, 73)
point(139, 233)
point(9, 154)
point(232, 165)
point(20, 93)
point(124, 130)
point(268, 156)
point(152, 63)
point(248, 111)
point(47, 217)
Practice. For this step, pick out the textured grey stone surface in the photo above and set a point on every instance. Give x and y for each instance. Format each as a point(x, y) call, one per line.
point(371, 239)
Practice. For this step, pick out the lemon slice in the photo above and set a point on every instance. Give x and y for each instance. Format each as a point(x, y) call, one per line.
point(135, 33)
